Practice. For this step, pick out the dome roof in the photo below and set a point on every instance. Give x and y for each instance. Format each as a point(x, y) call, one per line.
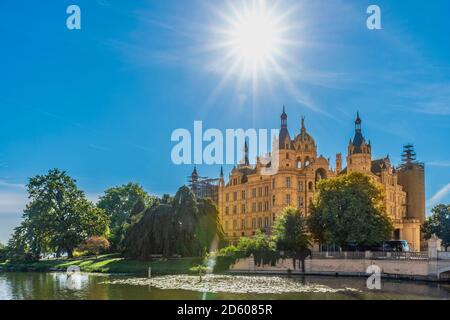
point(304, 137)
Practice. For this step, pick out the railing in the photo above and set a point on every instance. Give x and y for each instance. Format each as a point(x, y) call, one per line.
point(398, 255)
point(443, 255)
point(338, 255)
point(371, 255)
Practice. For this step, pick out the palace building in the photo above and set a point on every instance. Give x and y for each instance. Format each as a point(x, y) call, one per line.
point(251, 200)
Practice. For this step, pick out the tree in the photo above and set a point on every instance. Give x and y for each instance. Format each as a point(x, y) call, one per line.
point(261, 246)
point(350, 208)
point(439, 224)
point(2, 252)
point(183, 226)
point(291, 235)
point(124, 204)
point(95, 245)
point(57, 219)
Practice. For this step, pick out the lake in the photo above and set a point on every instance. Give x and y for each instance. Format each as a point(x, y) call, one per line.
point(18, 286)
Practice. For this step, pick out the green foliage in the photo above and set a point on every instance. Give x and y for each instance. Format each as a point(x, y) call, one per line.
point(291, 235)
point(57, 219)
point(2, 252)
point(124, 205)
point(261, 246)
point(439, 224)
point(349, 208)
point(180, 226)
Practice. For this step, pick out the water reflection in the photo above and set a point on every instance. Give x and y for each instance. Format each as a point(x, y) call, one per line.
point(96, 286)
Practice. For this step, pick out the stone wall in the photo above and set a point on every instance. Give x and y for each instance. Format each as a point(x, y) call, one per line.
point(431, 269)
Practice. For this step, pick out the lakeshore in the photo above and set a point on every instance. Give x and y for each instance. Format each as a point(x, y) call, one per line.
point(111, 263)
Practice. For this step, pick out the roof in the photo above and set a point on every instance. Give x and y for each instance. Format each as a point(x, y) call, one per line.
point(379, 164)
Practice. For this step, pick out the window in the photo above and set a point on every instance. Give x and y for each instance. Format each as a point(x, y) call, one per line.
point(243, 208)
point(254, 192)
point(299, 163)
point(274, 217)
point(266, 206)
point(260, 222)
point(259, 206)
point(243, 195)
point(235, 196)
point(266, 222)
point(234, 224)
point(254, 223)
point(243, 224)
point(307, 162)
point(273, 183)
point(234, 210)
point(227, 197)
point(266, 191)
point(300, 202)
point(287, 155)
point(260, 192)
point(254, 206)
point(273, 200)
point(288, 199)
point(288, 182)
point(310, 186)
point(300, 186)
point(227, 211)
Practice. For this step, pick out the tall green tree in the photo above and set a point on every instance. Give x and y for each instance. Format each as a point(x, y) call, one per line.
point(123, 204)
point(291, 235)
point(350, 208)
point(58, 217)
point(2, 252)
point(439, 224)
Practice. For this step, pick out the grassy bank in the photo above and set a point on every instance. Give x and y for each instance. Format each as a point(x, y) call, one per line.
point(112, 263)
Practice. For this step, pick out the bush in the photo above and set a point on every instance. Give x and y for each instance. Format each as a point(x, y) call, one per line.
point(95, 245)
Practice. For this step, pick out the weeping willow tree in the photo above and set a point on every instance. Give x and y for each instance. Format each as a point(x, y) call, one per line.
point(185, 226)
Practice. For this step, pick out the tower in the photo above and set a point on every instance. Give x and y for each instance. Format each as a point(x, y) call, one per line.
point(411, 176)
point(284, 138)
point(359, 157)
point(338, 163)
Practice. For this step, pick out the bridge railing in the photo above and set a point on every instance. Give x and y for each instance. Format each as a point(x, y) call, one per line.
point(443, 255)
point(371, 255)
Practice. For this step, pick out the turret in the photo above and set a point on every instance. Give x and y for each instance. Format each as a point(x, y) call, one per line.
point(284, 137)
point(359, 155)
point(338, 163)
point(411, 176)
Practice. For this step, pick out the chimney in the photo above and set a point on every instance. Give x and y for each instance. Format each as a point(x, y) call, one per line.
point(338, 163)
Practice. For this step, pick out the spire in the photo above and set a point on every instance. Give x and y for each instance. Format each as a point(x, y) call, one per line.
point(194, 176)
point(284, 118)
point(246, 161)
point(221, 171)
point(358, 123)
point(303, 125)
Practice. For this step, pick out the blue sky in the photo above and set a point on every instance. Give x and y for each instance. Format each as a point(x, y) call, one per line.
point(102, 102)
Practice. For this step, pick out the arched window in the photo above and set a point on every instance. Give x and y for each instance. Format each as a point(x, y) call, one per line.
point(310, 186)
point(307, 162)
point(299, 163)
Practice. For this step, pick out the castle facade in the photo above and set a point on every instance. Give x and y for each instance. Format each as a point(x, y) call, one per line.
point(250, 201)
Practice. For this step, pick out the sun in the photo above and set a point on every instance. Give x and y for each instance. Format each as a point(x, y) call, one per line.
point(254, 37)
point(252, 40)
